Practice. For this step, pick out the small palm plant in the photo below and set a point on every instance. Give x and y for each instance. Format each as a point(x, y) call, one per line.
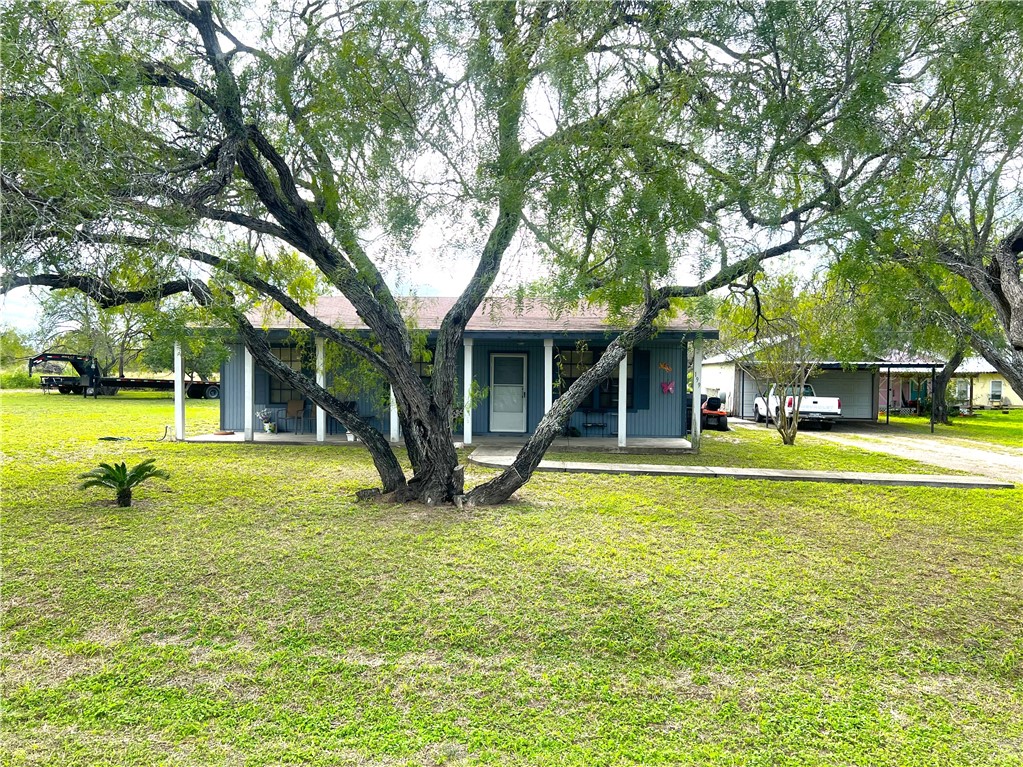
point(120, 478)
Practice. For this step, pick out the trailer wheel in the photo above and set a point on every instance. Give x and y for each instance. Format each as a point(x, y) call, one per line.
point(194, 391)
point(212, 392)
point(77, 390)
point(108, 391)
point(64, 389)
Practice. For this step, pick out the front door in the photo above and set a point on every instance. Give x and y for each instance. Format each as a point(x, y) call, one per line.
point(508, 392)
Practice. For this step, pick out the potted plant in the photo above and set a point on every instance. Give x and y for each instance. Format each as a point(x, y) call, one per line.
point(266, 416)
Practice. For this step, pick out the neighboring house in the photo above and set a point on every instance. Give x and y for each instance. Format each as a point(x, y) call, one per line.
point(906, 382)
point(520, 354)
point(978, 385)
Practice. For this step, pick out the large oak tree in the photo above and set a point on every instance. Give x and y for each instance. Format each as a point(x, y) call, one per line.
point(649, 152)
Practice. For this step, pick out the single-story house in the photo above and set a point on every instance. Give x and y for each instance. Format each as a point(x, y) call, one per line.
point(519, 354)
point(978, 385)
point(906, 382)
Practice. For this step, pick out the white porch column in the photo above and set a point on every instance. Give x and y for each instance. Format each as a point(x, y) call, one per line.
point(395, 431)
point(623, 383)
point(697, 385)
point(467, 393)
point(250, 394)
point(548, 375)
point(179, 393)
point(321, 380)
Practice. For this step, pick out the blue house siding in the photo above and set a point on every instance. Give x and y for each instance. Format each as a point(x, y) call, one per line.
point(662, 416)
point(232, 399)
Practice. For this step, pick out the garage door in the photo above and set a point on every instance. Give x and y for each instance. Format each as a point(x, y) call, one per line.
point(750, 390)
point(855, 388)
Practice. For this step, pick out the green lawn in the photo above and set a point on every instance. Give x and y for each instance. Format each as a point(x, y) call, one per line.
point(763, 448)
point(246, 612)
point(984, 426)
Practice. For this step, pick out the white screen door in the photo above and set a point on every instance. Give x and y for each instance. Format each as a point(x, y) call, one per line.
point(508, 392)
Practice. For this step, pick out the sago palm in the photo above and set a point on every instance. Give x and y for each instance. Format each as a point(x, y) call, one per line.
point(119, 478)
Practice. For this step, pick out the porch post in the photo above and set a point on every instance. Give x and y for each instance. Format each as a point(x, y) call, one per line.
point(179, 393)
point(467, 392)
point(548, 375)
point(697, 385)
point(623, 391)
point(888, 399)
point(321, 380)
point(250, 394)
point(395, 433)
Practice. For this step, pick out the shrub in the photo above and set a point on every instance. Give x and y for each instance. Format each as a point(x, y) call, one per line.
point(18, 379)
point(121, 479)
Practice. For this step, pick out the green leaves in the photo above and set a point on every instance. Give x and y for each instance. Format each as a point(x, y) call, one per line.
point(120, 478)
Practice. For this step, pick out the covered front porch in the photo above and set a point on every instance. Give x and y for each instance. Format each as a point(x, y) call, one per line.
point(520, 370)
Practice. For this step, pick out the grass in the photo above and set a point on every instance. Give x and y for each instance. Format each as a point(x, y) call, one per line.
point(245, 611)
point(991, 426)
point(763, 448)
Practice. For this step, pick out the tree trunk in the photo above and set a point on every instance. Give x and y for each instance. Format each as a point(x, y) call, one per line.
point(552, 425)
point(124, 497)
point(941, 381)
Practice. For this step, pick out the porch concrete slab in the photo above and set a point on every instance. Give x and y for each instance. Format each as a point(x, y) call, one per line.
point(502, 459)
point(635, 446)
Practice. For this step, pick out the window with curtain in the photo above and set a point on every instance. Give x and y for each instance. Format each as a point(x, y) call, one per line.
point(575, 362)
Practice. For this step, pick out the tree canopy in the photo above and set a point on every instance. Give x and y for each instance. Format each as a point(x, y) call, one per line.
point(647, 152)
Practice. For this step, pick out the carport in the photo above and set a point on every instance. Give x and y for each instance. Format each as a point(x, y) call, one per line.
point(858, 384)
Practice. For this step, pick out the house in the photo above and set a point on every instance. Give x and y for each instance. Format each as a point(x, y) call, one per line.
point(906, 382)
point(977, 385)
point(519, 355)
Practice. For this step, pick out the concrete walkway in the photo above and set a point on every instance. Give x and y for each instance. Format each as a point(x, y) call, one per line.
point(500, 459)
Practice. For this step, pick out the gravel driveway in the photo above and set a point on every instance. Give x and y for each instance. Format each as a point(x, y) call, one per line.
point(984, 458)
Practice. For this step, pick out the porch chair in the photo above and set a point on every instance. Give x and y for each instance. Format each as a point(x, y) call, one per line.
point(295, 413)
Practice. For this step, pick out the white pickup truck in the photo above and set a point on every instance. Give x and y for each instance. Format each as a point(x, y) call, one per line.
point(813, 409)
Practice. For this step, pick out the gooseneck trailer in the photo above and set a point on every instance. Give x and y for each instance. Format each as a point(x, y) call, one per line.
point(79, 384)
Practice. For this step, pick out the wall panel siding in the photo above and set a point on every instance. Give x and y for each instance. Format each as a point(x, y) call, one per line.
point(232, 390)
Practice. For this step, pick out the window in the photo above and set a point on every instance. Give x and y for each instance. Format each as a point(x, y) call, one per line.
point(996, 390)
point(575, 362)
point(422, 361)
point(962, 389)
point(280, 391)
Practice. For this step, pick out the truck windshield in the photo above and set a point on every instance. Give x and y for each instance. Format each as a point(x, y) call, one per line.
point(792, 390)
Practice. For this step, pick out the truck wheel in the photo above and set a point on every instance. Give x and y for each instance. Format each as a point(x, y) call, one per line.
point(212, 392)
point(826, 425)
point(757, 415)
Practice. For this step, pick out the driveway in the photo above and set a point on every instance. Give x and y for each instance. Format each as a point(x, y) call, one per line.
point(984, 458)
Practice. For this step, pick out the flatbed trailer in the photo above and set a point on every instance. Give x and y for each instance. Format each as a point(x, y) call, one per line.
point(108, 385)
